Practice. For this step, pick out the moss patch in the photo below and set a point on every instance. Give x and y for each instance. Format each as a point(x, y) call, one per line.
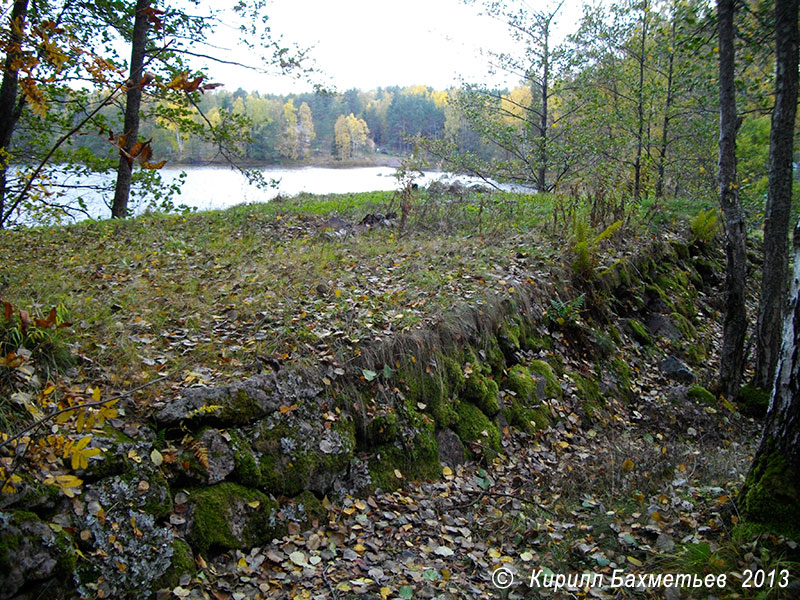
point(701, 394)
point(182, 562)
point(771, 493)
point(483, 392)
point(527, 419)
point(589, 393)
point(228, 516)
point(639, 333)
point(415, 458)
point(474, 426)
point(753, 402)
point(552, 387)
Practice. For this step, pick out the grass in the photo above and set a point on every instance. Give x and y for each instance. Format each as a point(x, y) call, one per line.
point(221, 290)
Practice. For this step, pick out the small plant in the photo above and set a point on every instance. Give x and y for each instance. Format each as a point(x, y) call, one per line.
point(704, 226)
point(585, 244)
point(36, 337)
point(564, 314)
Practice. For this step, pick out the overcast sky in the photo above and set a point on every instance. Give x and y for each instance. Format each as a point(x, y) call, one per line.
point(368, 44)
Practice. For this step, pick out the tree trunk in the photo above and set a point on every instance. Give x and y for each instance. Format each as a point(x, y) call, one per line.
point(662, 155)
point(771, 491)
point(779, 195)
point(10, 110)
point(133, 101)
point(735, 323)
point(542, 176)
point(637, 164)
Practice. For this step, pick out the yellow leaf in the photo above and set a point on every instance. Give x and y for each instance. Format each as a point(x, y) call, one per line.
point(242, 564)
point(254, 504)
point(447, 472)
point(398, 474)
point(48, 390)
point(96, 394)
point(359, 548)
point(563, 444)
point(360, 504)
point(385, 592)
point(634, 561)
point(627, 465)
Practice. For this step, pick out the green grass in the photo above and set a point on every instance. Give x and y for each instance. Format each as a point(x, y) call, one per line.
point(221, 289)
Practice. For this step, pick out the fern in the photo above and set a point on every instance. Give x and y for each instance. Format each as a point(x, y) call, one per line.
point(704, 226)
point(585, 244)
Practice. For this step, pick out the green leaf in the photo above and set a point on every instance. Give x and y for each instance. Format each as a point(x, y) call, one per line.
point(368, 375)
point(387, 372)
point(406, 592)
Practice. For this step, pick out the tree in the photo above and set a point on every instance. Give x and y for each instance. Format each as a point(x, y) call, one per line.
point(290, 142)
point(779, 194)
point(735, 321)
point(306, 129)
point(350, 135)
point(133, 101)
point(10, 107)
point(771, 493)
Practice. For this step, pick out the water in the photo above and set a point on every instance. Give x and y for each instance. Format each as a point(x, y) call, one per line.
point(216, 187)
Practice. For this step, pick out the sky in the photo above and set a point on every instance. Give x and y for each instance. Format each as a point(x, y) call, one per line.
point(368, 44)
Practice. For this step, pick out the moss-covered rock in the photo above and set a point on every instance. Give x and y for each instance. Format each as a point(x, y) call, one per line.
point(508, 339)
point(474, 426)
point(246, 471)
point(527, 419)
point(753, 402)
point(431, 388)
point(228, 516)
point(552, 388)
point(413, 458)
point(589, 393)
point(181, 563)
point(701, 394)
point(684, 325)
point(32, 553)
point(383, 428)
point(639, 332)
point(291, 459)
point(524, 385)
point(483, 392)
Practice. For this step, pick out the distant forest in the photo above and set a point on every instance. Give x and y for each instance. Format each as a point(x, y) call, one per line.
point(301, 126)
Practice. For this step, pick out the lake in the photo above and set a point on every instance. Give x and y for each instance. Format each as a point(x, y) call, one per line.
point(215, 187)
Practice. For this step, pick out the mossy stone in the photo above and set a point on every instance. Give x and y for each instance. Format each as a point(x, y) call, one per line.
point(483, 392)
point(182, 562)
point(522, 383)
point(552, 388)
point(471, 425)
point(527, 419)
point(312, 508)
point(589, 393)
point(228, 516)
point(753, 402)
point(701, 394)
point(246, 471)
point(414, 458)
point(508, 339)
point(639, 332)
point(684, 325)
point(288, 467)
point(431, 389)
point(383, 428)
